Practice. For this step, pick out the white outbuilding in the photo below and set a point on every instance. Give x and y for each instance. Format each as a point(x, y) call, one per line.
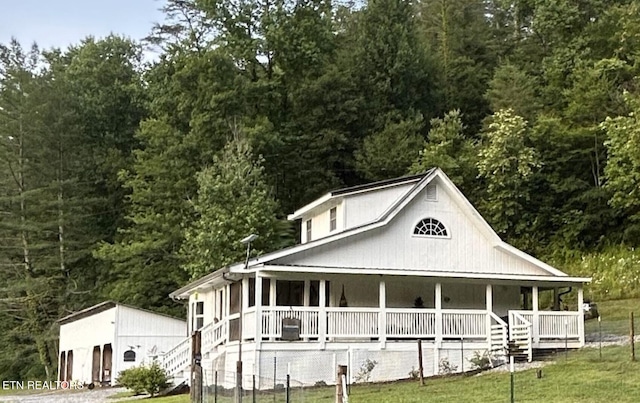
point(100, 341)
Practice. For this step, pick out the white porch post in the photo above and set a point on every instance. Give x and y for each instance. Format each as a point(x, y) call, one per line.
point(489, 303)
point(245, 304)
point(258, 300)
point(272, 304)
point(306, 293)
point(382, 321)
point(306, 298)
point(580, 315)
point(438, 338)
point(227, 301)
point(322, 314)
point(536, 317)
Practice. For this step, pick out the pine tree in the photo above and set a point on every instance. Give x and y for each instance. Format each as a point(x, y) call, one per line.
point(233, 201)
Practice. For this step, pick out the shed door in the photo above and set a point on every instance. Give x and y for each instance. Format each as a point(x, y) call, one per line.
point(69, 365)
point(95, 365)
point(106, 363)
point(62, 371)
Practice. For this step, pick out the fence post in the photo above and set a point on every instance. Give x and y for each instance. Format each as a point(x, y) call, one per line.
point(253, 388)
point(462, 354)
point(632, 336)
point(420, 368)
point(196, 368)
point(600, 334)
point(215, 387)
point(512, 370)
point(342, 371)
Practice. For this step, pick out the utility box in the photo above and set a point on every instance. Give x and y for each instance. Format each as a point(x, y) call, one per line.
point(290, 329)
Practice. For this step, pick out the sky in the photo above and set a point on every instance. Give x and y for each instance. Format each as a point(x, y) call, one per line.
point(60, 23)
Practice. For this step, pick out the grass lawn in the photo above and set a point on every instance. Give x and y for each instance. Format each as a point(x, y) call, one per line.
point(583, 377)
point(615, 317)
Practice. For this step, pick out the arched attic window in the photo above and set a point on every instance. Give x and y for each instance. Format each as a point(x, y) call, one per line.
point(431, 227)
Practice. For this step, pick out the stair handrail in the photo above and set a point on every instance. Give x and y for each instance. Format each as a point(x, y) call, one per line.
point(520, 322)
point(503, 325)
point(213, 334)
point(168, 359)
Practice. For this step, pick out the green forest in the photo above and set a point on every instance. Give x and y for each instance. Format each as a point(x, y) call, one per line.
point(123, 176)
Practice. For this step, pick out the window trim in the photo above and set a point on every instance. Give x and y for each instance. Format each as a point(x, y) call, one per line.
point(446, 229)
point(198, 316)
point(308, 229)
point(333, 219)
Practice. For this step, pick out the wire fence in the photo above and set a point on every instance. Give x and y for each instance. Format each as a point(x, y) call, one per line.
point(220, 387)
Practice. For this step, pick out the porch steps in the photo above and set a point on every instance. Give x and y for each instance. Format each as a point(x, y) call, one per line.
point(518, 350)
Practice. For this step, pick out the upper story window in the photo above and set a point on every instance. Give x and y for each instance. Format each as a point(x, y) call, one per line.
point(333, 219)
point(198, 315)
point(430, 227)
point(308, 230)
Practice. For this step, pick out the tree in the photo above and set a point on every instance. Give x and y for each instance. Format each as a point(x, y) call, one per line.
point(233, 201)
point(448, 149)
point(623, 164)
point(512, 88)
point(390, 152)
point(458, 35)
point(506, 162)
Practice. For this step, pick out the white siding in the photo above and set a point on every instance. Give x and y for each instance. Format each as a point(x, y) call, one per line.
point(362, 208)
point(82, 335)
point(403, 291)
point(149, 334)
point(464, 296)
point(505, 298)
point(121, 327)
point(320, 223)
point(207, 296)
point(394, 246)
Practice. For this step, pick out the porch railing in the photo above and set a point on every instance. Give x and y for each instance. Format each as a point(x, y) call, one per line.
point(178, 358)
point(352, 322)
point(464, 324)
point(411, 323)
point(213, 335)
point(556, 325)
point(271, 323)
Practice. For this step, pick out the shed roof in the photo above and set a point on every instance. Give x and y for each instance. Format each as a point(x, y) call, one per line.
point(105, 306)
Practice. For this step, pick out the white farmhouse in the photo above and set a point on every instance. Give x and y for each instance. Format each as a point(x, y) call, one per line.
point(379, 266)
point(99, 342)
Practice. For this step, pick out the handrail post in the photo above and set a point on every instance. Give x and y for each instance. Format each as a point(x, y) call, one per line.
point(489, 305)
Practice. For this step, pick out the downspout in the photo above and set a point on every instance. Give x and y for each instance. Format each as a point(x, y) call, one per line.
point(560, 297)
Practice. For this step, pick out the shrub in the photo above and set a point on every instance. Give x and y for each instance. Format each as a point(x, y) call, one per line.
point(151, 379)
point(480, 361)
point(364, 374)
point(446, 368)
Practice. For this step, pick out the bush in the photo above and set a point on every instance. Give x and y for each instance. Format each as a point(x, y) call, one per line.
point(480, 360)
point(151, 379)
point(446, 368)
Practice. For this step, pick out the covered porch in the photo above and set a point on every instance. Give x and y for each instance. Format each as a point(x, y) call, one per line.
point(392, 308)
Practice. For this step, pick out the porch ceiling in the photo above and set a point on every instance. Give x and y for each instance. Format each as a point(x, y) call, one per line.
point(467, 277)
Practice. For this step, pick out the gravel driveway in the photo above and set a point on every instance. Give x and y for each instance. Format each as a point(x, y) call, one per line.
point(99, 395)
